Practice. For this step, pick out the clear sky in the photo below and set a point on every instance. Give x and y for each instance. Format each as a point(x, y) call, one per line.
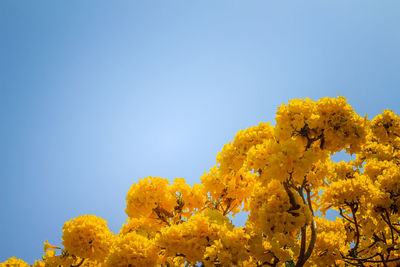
point(95, 95)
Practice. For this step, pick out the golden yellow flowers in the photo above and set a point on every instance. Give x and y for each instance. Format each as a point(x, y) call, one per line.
point(284, 177)
point(14, 262)
point(87, 236)
point(48, 246)
point(132, 250)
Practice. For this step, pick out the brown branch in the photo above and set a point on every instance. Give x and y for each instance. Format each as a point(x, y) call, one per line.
point(370, 261)
point(359, 259)
point(300, 259)
point(79, 264)
point(294, 205)
point(304, 255)
point(344, 217)
point(353, 211)
point(226, 211)
point(391, 260)
point(370, 246)
point(383, 260)
point(158, 210)
point(313, 229)
point(389, 223)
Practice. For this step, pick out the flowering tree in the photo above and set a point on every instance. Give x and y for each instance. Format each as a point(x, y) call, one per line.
point(284, 177)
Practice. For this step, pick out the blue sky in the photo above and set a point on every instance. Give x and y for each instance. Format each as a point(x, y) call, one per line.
point(95, 95)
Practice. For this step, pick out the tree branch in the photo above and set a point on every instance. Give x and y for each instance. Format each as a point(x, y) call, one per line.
point(313, 228)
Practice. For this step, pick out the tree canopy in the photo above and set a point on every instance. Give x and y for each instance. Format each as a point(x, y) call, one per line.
point(283, 176)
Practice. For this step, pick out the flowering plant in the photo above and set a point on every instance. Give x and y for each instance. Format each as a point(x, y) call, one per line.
point(283, 176)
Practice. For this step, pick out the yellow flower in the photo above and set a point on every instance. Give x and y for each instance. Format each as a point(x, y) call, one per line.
point(48, 246)
point(14, 262)
point(132, 250)
point(87, 236)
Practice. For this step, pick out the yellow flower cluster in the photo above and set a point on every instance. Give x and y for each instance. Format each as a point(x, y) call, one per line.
point(230, 191)
point(50, 259)
point(147, 227)
point(260, 249)
point(87, 236)
point(331, 121)
point(132, 249)
point(282, 175)
point(272, 211)
point(230, 249)
point(234, 153)
point(208, 237)
point(192, 198)
point(353, 190)
point(13, 262)
point(229, 181)
point(330, 244)
point(147, 195)
point(386, 126)
point(279, 218)
point(367, 194)
point(275, 160)
point(155, 197)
